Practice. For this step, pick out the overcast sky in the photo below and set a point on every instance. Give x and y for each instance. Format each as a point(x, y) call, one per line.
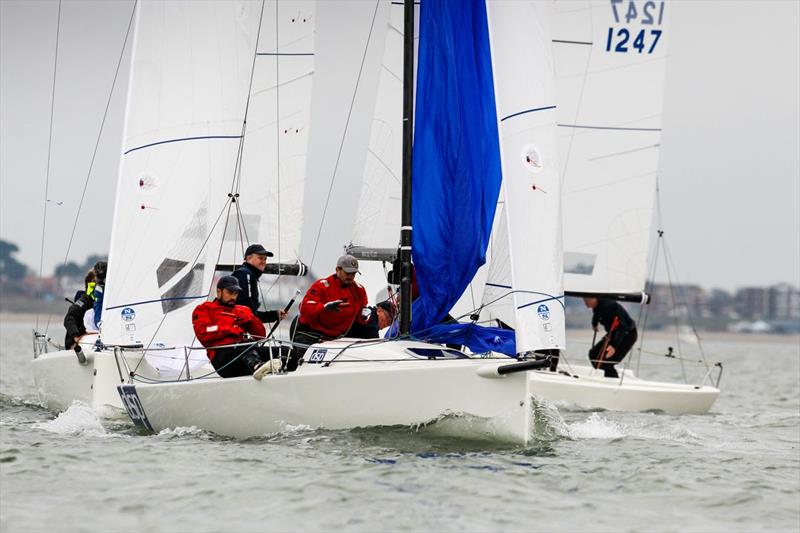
point(730, 159)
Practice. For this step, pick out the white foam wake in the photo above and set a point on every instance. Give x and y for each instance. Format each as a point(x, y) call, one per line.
point(79, 419)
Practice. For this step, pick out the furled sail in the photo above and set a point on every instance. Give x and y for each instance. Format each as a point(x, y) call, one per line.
point(610, 63)
point(457, 171)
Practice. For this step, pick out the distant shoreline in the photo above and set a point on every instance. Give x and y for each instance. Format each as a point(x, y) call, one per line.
point(575, 333)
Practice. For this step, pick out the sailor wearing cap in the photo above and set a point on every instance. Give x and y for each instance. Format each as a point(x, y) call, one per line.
point(221, 322)
point(332, 305)
point(255, 261)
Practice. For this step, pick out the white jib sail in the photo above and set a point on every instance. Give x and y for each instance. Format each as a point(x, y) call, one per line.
point(610, 63)
point(190, 70)
point(524, 91)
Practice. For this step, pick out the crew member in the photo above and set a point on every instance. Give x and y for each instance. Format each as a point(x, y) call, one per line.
point(221, 322)
point(619, 338)
point(255, 261)
point(100, 268)
point(331, 307)
point(375, 319)
point(74, 319)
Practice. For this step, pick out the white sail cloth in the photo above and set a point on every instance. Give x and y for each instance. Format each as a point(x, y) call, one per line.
point(610, 63)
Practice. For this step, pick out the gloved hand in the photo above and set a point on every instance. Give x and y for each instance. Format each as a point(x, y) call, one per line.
point(334, 305)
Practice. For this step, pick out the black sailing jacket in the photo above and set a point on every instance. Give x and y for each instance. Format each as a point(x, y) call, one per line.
point(248, 275)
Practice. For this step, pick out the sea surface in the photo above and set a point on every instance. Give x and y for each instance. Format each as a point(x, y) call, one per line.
point(734, 469)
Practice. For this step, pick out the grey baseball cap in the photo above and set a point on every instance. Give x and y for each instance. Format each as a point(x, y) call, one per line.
point(348, 263)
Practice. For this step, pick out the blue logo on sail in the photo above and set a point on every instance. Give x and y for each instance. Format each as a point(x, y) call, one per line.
point(128, 314)
point(544, 312)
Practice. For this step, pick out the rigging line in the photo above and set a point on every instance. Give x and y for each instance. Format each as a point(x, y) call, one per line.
point(344, 134)
point(277, 141)
point(645, 309)
point(237, 170)
point(96, 145)
point(164, 317)
point(49, 152)
point(577, 111)
point(675, 313)
point(689, 314)
point(191, 267)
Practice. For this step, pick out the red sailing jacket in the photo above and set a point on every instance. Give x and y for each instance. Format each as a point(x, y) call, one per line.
point(216, 324)
point(333, 323)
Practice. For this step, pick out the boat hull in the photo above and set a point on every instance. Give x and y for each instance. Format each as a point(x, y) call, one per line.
point(346, 395)
point(587, 388)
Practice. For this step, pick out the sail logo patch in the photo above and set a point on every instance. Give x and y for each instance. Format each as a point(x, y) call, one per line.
point(532, 159)
point(544, 312)
point(128, 314)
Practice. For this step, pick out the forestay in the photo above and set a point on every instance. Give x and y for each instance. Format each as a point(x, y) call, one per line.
point(610, 64)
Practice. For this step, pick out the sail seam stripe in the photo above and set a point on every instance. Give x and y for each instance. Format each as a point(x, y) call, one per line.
point(156, 301)
point(528, 111)
point(285, 53)
point(581, 126)
point(561, 41)
point(181, 140)
point(540, 301)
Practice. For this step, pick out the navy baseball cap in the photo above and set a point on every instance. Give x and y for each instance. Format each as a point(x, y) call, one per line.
point(257, 249)
point(230, 283)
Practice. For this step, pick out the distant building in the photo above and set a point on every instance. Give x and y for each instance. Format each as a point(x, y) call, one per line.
point(752, 303)
point(784, 302)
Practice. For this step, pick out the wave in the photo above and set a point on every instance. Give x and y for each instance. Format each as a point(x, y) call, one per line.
point(79, 420)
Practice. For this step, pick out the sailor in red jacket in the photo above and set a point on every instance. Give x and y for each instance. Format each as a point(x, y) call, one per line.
point(332, 306)
point(222, 322)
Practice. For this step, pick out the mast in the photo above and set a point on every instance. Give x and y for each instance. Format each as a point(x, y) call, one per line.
point(408, 131)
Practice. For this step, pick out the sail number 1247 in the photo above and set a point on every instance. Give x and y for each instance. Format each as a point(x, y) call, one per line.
point(644, 13)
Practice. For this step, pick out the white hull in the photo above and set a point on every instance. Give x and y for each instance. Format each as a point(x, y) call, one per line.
point(588, 388)
point(399, 390)
point(61, 380)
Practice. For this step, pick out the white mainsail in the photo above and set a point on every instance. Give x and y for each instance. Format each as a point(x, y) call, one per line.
point(610, 62)
point(350, 47)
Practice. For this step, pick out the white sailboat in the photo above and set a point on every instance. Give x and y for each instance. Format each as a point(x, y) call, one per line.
point(609, 63)
point(318, 128)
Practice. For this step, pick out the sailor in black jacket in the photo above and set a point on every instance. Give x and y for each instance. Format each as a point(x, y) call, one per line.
point(620, 334)
point(255, 261)
point(73, 321)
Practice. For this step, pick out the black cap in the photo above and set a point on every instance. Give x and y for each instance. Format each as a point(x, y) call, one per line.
point(230, 283)
point(257, 249)
point(388, 306)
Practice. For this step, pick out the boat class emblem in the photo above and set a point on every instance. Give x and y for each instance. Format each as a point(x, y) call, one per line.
point(544, 312)
point(128, 314)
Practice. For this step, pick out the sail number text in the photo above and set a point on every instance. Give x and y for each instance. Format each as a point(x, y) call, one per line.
point(627, 40)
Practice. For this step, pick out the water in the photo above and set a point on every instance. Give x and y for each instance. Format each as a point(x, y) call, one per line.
point(737, 468)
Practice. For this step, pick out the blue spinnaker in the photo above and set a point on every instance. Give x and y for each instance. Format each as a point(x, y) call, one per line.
point(456, 165)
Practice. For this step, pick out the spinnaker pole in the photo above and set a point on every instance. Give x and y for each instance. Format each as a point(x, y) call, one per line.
point(408, 132)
